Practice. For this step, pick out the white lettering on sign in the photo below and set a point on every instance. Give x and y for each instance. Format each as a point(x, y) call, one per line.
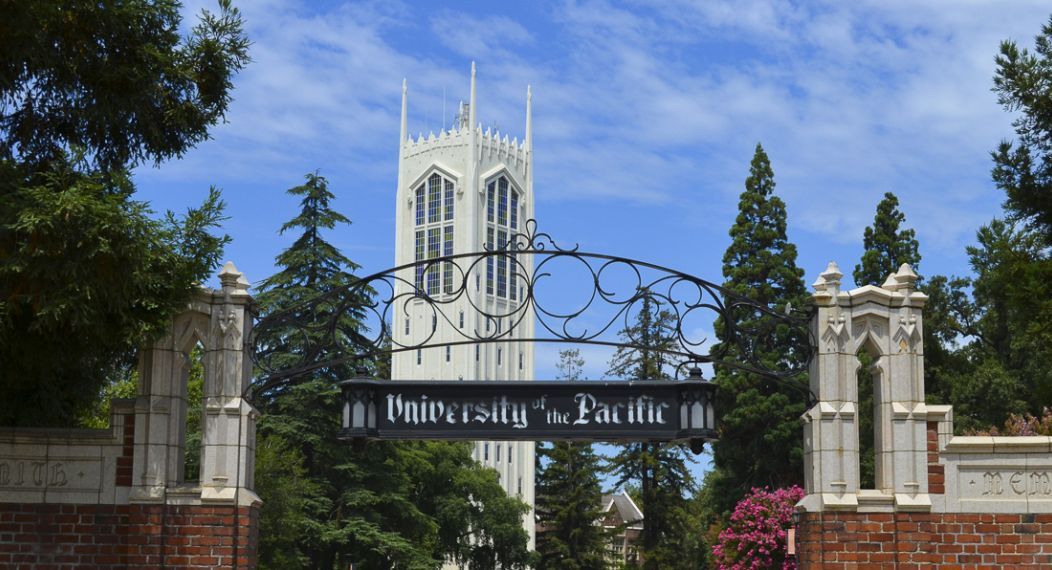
point(641, 410)
point(424, 410)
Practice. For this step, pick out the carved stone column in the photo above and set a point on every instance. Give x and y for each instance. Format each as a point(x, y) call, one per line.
point(830, 426)
point(886, 321)
point(228, 445)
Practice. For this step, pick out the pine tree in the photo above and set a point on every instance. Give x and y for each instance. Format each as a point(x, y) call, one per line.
point(1024, 169)
point(569, 496)
point(887, 246)
point(760, 439)
point(660, 470)
point(405, 505)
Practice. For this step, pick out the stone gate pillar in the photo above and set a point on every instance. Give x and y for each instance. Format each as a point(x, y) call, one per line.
point(886, 321)
point(219, 320)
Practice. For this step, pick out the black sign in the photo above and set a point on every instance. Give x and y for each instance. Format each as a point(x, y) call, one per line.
point(529, 410)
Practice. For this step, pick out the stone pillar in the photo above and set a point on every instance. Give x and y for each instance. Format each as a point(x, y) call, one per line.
point(887, 321)
point(228, 443)
point(830, 429)
point(221, 321)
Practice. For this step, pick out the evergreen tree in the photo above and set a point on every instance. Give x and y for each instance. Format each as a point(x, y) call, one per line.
point(761, 441)
point(569, 496)
point(1001, 317)
point(887, 246)
point(87, 91)
point(1024, 169)
point(390, 505)
point(670, 537)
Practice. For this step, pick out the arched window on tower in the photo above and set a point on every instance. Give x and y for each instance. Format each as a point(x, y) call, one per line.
point(434, 233)
point(502, 222)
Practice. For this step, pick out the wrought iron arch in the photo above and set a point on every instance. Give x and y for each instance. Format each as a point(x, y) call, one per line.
point(749, 329)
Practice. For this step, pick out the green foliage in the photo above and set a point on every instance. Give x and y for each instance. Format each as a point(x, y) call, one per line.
point(88, 90)
point(1003, 363)
point(761, 441)
point(670, 538)
point(86, 264)
point(117, 79)
point(568, 496)
point(1023, 169)
point(886, 246)
point(124, 383)
point(387, 505)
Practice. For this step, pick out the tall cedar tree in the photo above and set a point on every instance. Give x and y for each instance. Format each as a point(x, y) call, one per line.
point(886, 247)
point(87, 91)
point(660, 470)
point(407, 505)
point(568, 497)
point(761, 439)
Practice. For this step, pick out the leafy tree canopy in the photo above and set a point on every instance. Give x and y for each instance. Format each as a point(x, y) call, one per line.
point(88, 90)
point(117, 79)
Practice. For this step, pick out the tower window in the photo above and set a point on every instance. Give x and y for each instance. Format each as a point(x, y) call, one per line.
point(498, 356)
point(447, 267)
point(485, 452)
point(419, 357)
point(496, 451)
point(434, 198)
point(476, 353)
point(407, 327)
point(420, 205)
point(432, 252)
point(520, 485)
point(461, 319)
point(520, 361)
point(502, 220)
point(449, 200)
point(419, 257)
point(511, 450)
point(434, 214)
point(448, 351)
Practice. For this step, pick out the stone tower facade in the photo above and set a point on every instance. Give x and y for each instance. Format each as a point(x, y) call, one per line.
point(460, 191)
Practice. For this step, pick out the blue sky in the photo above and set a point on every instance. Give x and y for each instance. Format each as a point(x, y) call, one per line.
point(645, 119)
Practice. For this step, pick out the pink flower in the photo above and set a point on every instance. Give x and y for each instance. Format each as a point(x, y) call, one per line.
point(756, 535)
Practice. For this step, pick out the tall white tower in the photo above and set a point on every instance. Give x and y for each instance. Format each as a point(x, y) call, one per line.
point(462, 191)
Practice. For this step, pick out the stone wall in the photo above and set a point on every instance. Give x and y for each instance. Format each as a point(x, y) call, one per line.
point(118, 498)
point(940, 499)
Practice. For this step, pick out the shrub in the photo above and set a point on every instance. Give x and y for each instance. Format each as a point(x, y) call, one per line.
point(756, 535)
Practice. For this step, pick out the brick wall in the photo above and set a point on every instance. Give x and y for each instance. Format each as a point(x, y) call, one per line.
point(833, 540)
point(117, 537)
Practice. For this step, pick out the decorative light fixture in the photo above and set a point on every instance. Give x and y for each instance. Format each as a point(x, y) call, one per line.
point(696, 411)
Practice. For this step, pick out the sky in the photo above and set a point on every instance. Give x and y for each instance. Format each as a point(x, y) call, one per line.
point(645, 117)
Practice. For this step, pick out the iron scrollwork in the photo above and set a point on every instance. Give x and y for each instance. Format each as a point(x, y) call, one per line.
point(612, 290)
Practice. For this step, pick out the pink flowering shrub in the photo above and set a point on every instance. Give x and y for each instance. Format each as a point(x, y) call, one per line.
point(1025, 424)
point(756, 536)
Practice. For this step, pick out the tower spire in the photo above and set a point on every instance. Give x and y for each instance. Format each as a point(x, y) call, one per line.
point(405, 122)
point(471, 105)
point(529, 119)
